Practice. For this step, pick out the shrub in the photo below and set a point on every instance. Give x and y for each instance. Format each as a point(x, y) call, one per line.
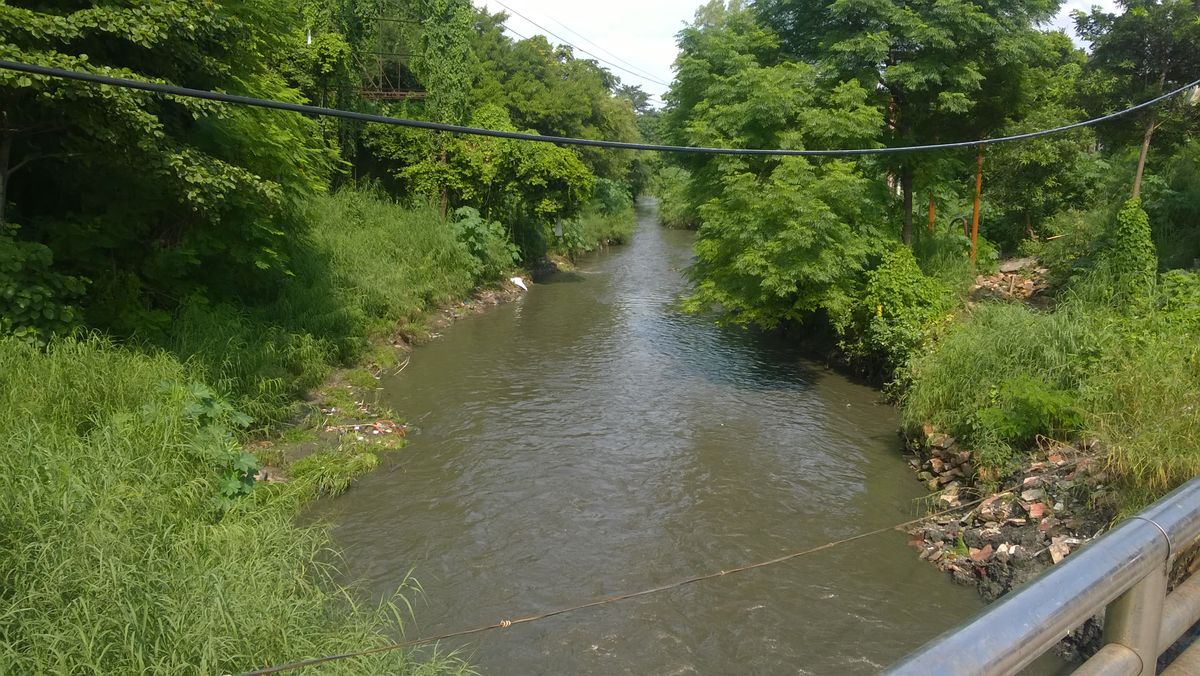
point(676, 208)
point(611, 197)
point(35, 301)
point(488, 243)
point(1025, 407)
point(898, 309)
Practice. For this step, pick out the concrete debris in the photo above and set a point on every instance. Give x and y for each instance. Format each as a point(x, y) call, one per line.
point(1058, 502)
point(1018, 279)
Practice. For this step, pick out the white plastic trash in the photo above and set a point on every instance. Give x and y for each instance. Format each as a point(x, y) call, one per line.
point(519, 282)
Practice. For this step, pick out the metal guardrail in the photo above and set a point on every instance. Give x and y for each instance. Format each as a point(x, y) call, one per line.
point(1123, 573)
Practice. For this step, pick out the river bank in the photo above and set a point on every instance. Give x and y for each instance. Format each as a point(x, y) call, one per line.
point(342, 426)
point(141, 509)
point(1017, 525)
point(1045, 411)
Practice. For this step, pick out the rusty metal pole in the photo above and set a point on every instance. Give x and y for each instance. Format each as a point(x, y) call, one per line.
point(975, 210)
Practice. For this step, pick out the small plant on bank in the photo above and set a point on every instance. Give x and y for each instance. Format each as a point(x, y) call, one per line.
point(488, 243)
point(216, 444)
point(1025, 407)
point(35, 301)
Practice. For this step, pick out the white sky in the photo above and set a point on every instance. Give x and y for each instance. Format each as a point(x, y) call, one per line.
point(640, 33)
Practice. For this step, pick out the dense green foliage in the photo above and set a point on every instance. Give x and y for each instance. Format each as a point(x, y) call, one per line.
point(898, 308)
point(34, 298)
point(210, 204)
point(233, 257)
point(202, 187)
point(821, 244)
point(1129, 260)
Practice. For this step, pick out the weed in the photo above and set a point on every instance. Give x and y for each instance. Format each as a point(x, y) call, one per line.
point(361, 378)
point(330, 473)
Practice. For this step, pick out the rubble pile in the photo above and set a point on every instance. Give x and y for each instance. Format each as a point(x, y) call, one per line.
point(944, 467)
point(1000, 540)
point(1018, 279)
point(1008, 537)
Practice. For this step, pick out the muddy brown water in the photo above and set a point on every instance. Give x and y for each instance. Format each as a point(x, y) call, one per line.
point(588, 440)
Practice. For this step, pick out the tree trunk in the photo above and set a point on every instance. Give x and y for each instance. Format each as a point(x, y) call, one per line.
point(932, 213)
point(1141, 164)
point(1029, 226)
point(975, 209)
point(5, 159)
point(906, 185)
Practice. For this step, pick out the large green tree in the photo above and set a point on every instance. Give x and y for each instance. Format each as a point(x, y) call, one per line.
point(1033, 180)
point(546, 88)
point(139, 191)
point(939, 70)
point(779, 239)
point(1151, 47)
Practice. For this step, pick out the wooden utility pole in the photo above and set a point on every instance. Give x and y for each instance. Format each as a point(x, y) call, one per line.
point(975, 210)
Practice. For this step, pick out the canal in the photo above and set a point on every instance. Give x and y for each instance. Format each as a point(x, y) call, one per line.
point(588, 439)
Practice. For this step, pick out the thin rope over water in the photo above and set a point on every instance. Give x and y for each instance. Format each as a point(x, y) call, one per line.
point(506, 623)
point(173, 90)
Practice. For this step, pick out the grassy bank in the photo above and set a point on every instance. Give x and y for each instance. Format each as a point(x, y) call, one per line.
point(366, 267)
point(1114, 356)
point(133, 537)
point(129, 541)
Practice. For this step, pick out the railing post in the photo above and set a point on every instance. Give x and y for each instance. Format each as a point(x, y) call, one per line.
point(1134, 618)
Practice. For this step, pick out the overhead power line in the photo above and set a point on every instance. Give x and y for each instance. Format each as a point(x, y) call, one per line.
point(174, 90)
point(583, 37)
point(581, 49)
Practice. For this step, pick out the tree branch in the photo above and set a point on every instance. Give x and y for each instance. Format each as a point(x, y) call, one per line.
point(33, 158)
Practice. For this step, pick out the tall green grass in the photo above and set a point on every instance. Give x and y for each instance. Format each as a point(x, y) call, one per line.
point(389, 262)
point(366, 265)
point(1130, 374)
point(114, 557)
point(597, 228)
